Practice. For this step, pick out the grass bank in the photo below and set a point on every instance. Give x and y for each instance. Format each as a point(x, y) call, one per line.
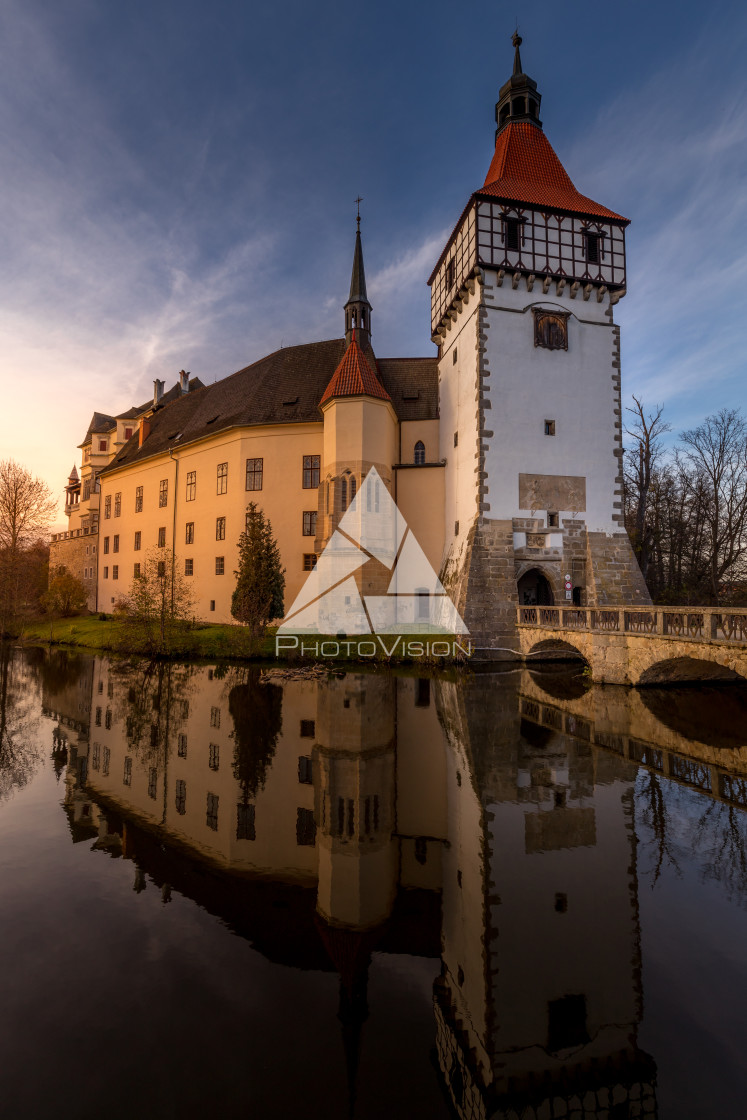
point(214, 642)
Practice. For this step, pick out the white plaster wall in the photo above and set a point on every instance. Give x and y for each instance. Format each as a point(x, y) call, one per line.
point(457, 382)
point(529, 385)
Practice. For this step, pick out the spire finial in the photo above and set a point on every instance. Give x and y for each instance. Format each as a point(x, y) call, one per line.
point(517, 41)
point(358, 202)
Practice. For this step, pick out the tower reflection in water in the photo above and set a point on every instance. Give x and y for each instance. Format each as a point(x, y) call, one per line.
point(368, 812)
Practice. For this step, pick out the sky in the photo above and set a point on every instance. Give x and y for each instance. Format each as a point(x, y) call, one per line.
point(178, 185)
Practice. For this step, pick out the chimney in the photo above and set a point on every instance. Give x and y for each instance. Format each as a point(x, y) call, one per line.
point(145, 426)
point(157, 391)
point(184, 381)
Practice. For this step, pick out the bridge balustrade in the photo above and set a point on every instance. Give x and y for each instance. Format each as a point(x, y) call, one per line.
point(698, 624)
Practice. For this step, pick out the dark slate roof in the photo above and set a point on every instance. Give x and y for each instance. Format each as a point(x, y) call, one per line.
point(283, 388)
point(100, 422)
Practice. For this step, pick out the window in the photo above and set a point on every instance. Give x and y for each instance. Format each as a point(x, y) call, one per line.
point(344, 493)
point(422, 693)
point(138, 499)
point(162, 537)
point(449, 273)
point(551, 329)
point(552, 521)
point(511, 234)
point(128, 433)
point(220, 528)
point(191, 485)
point(549, 427)
point(189, 536)
point(115, 543)
point(215, 717)
point(220, 565)
point(98, 717)
point(305, 771)
point(106, 546)
point(311, 466)
point(152, 782)
point(107, 760)
point(127, 777)
point(184, 707)
point(222, 478)
point(180, 797)
point(106, 573)
point(308, 728)
point(118, 505)
point(419, 456)
point(566, 1023)
point(211, 819)
point(163, 492)
point(96, 757)
point(181, 745)
point(456, 439)
point(189, 566)
point(593, 247)
point(309, 560)
point(136, 571)
point(138, 540)
point(213, 756)
point(86, 489)
point(212, 604)
point(309, 523)
point(115, 571)
point(454, 356)
point(162, 569)
point(561, 903)
point(245, 829)
point(102, 445)
point(107, 506)
point(254, 468)
point(305, 827)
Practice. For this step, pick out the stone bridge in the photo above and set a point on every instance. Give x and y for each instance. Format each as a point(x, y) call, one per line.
point(677, 735)
point(640, 645)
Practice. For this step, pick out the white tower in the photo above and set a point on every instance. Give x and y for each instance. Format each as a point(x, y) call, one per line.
point(522, 304)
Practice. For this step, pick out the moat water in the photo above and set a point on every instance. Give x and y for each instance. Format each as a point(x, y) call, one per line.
point(241, 892)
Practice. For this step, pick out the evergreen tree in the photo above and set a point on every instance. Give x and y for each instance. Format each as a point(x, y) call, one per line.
point(260, 579)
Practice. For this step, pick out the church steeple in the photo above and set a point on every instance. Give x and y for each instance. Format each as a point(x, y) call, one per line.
point(358, 309)
point(518, 99)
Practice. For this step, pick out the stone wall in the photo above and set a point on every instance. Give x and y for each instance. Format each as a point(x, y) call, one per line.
point(71, 554)
point(613, 576)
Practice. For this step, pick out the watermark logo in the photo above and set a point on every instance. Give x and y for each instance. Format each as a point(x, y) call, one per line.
point(397, 591)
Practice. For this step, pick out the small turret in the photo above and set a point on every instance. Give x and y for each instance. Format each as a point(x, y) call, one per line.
point(358, 309)
point(518, 99)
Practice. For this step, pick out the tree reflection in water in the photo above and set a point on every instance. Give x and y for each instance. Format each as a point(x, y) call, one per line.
point(256, 708)
point(20, 750)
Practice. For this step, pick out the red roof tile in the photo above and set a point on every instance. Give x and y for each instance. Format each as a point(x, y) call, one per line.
point(526, 169)
point(354, 377)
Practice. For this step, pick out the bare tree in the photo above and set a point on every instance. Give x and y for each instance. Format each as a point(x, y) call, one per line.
point(26, 508)
point(716, 452)
point(641, 464)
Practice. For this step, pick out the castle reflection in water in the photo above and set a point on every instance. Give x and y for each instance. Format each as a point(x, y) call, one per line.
point(488, 821)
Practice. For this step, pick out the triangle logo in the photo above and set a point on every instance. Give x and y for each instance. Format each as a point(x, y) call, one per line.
point(372, 530)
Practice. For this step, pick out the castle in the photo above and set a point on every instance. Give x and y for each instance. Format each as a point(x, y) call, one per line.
point(503, 453)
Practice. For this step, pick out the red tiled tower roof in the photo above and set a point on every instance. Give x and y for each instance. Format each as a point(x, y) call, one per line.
point(354, 377)
point(526, 169)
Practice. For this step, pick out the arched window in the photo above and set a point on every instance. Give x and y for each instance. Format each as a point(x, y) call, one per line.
point(353, 488)
point(344, 494)
point(419, 458)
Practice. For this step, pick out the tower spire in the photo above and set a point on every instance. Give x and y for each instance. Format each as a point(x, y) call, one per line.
point(518, 99)
point(357, 308)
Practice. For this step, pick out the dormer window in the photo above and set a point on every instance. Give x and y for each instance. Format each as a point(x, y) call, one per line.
point(102, 445)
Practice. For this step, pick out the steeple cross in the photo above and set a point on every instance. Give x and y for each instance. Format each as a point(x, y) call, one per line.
point(358, 202)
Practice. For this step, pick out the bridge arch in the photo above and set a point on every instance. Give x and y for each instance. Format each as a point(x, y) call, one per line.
point(683, 670)
point(555, 649)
